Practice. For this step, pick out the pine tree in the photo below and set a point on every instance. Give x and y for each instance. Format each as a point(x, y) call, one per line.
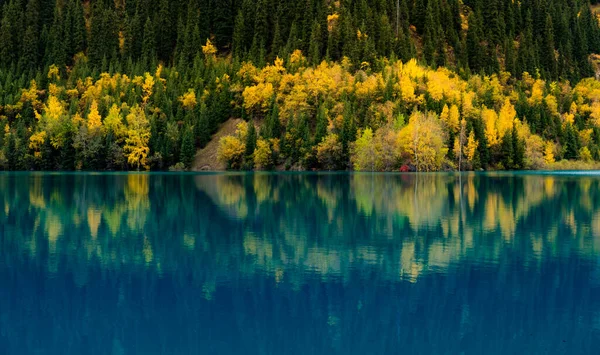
point(547, 58)
point(321, 128)
point(164, 28)
point(314, 52)
point(149, 42)
point(430, 37)
point(475, 51)
point(272, 126)
point(188, 149)
point(238, 40)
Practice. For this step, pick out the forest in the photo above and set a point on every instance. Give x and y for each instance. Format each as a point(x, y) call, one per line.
point(377, 85)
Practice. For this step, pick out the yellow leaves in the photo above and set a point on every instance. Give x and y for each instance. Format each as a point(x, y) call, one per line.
point(114, 122)
point(363, 152)
point(73, 93)
point(209, 49)
point(258, 97)
point(297, 58)
point(423, 142)
point(278, 64)
point(595, 114)
point(552, 104)
point(231, 151)
point(506, 118)
point(324, 80)
point(188, 100)
point(54, 89)
point(138, 136)
point(94, 120)
point(588, 88)
point(36, 141)
point(411, 69)
point(489, 118)
point(407, 90)
point(534, 150)
point(159, 70)
point(329, 152)
point(451, 117)
point(549, 153)
point(585, 136)
point(471, 148)
point(332, 21)
point(435, 90)
point(53, 73)
point(263, 154)
point(467, 104)
point(440, 85)
point(54, 109)
point(31, 94)
point(370, 87)
point(585, 154)
point(271, 73)
point(295, 102)
point(568, 118)
point(247, 71)
point(537, 92)
point(361, 36)
point(76, 119)
point(121, 42)
point(242, 130)
point(147, 87)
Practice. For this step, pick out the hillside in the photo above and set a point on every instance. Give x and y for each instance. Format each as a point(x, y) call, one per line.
point(141, 84)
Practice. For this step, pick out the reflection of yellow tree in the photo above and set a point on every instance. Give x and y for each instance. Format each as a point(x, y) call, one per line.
point(138, 204)
point(425, 223)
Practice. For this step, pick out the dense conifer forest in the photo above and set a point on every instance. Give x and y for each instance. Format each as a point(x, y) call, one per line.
point(320, 84)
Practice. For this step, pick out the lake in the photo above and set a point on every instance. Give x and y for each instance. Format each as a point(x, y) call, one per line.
point(496, 263)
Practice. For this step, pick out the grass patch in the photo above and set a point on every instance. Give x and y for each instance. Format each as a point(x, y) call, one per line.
point(574, 165)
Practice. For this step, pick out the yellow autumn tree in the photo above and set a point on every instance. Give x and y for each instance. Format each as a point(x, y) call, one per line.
point(506, 118)
point(329, 152)
point(94, 120)
point(138, 136)
point(263, 154)
point(471, 148)
point(422, 140)
point(489, 118)
point(549, 153)
point(258, 97)
point(232, 148)
point(585, 154)
point(147, 87)
point(209, 50)
point(114, 122)
point(188, 100)
point(231, 151)
point(53, 117)
point(363, 152)
point(451, 117)
point(36, 141)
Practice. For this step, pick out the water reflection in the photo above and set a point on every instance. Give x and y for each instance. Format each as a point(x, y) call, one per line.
point(297, 263)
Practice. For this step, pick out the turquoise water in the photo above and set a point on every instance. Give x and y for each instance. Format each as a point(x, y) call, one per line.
point(299, 264)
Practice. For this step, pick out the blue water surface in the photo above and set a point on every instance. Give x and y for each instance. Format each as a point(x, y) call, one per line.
point(299, 263)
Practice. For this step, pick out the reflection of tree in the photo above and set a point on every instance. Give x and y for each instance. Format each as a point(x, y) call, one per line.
point(290, 224)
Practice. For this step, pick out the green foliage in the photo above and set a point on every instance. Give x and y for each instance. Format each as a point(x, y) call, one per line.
point(148, 55)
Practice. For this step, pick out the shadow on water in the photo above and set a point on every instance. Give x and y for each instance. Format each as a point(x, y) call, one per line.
point(299, 263)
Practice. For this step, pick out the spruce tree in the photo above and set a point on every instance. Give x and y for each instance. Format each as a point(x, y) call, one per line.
point(149, 43)
point(188, 149)
point(238, 39)
point(314, 51)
